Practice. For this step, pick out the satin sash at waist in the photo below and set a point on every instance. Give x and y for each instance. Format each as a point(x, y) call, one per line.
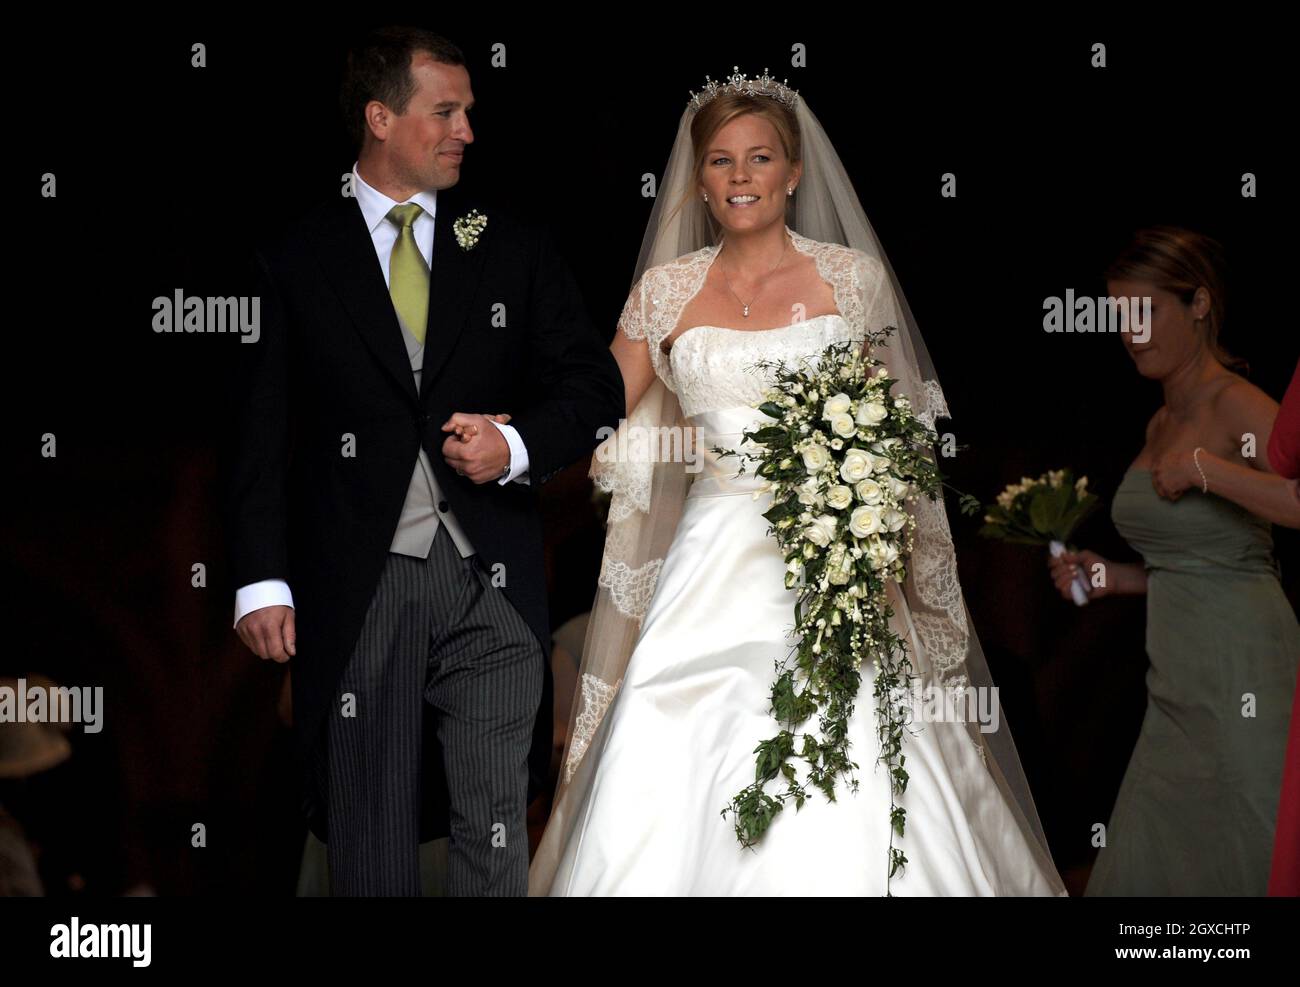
point(720, 476)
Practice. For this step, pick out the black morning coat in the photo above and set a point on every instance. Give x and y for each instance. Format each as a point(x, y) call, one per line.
point(507, 332)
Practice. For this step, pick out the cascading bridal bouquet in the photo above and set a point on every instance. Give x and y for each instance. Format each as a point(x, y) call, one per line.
point(1043, 511)
point(841, 459)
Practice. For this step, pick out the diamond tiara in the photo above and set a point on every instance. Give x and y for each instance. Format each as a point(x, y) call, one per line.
point(763, 85)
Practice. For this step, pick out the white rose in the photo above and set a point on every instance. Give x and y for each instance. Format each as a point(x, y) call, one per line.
point(864, 520)
point(837, 404)
point(815, 457)
point(893, 520)
point(872, 413)
point(808, 493)
point(857, 464)
point(882, 464)
point(869, 491)
point(842, 425)
point(840, 496)
point(899, 489)
point(821, 531)
point(877, 552)
point(890, 554)
point(838, 566)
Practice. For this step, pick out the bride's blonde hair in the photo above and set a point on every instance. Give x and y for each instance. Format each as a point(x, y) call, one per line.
point(720, 111)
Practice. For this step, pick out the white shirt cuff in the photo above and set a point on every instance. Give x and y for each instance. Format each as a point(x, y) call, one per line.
point(255, 596)
point(518, 454)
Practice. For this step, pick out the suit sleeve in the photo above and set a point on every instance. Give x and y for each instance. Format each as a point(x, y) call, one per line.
point(580, 387)
point(256, 474)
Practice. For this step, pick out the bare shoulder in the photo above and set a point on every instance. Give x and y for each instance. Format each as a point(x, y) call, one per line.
point(1244, 410)
point(1239, 399)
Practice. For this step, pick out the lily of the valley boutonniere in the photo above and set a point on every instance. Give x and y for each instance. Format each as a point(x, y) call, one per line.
point(468, 228)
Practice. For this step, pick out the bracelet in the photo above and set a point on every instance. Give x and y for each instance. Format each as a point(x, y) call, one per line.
point(1196, 458)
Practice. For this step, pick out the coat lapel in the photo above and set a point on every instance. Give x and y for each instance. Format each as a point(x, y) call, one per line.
point(348, 256)
point(455, 273)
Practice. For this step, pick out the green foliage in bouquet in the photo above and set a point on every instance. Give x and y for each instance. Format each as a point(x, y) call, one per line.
point(1038, 511)
point(841, 460)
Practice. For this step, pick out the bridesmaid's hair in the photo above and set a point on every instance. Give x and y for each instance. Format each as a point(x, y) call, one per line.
point(1180, 261)
point(379, 67)
point(720, 111)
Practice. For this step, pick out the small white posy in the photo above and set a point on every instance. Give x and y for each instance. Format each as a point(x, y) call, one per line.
point(468, 228)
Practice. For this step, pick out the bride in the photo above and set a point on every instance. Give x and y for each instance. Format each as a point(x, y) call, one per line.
point(757, 248)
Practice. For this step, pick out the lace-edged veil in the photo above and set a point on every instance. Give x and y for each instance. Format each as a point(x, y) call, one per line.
point(647, 496)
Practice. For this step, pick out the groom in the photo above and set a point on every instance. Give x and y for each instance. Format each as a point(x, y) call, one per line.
point(384, 533)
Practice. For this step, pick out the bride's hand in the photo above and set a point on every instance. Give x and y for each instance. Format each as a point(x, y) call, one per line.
point(466, 436)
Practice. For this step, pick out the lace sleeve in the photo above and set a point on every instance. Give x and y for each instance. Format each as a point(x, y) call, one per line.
point(646, 316)
point(614, 466)
point(632, 320)
point(650, 314)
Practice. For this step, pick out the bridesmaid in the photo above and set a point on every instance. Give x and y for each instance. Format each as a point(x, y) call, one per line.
point(1196, 810)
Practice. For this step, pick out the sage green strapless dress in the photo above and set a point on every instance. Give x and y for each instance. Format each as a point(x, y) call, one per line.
point(1196, 810)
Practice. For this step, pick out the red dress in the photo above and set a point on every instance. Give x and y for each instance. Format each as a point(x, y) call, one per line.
point(1284, 876)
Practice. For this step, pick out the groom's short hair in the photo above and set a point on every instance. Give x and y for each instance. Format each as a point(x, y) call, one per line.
point(379, 67)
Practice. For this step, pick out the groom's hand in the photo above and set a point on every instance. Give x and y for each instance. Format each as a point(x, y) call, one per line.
point(269, 632)
point(475, 448)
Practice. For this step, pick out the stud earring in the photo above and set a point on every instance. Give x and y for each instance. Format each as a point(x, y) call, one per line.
point(706, 196)
point(789, 190)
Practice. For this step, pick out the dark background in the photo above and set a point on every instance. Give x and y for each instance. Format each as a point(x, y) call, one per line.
point(168, 174)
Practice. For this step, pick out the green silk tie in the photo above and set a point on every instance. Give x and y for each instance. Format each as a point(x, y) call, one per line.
point(408, 274)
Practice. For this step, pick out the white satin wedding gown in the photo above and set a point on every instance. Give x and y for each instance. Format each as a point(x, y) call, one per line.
point(694, 704)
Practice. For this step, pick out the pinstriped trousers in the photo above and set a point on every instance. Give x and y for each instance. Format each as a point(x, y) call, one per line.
point(436, 631)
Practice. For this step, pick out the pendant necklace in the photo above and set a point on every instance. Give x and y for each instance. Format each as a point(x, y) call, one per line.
point(745, 305)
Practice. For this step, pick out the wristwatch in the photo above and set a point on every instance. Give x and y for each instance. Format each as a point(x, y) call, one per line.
point(505, 472)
